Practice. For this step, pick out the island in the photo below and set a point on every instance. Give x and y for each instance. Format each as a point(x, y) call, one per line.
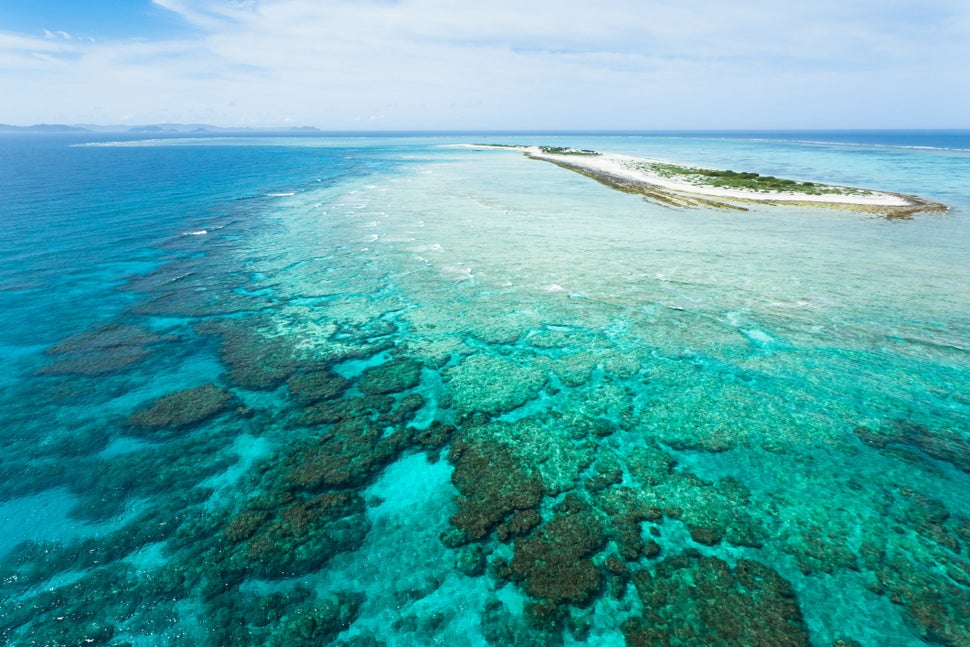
point(679, 185)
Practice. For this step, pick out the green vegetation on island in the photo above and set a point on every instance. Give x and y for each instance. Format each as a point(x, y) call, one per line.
point(691, 186)
point(559, 150)
point(743, 180)
point(546, 150)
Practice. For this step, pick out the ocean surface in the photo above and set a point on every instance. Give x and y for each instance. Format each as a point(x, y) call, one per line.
point(382, 390)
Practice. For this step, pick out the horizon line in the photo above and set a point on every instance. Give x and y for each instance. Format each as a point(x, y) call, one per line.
point(200, 129)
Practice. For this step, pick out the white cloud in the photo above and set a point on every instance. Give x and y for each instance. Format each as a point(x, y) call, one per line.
point(504, 64)
point(57, 35)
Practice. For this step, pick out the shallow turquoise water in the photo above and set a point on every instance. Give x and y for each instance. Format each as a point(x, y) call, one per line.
point(388, 391)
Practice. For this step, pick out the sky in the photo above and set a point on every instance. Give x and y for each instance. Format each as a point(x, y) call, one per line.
point(493, 65)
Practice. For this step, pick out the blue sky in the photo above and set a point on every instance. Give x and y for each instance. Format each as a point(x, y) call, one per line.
point(98, 19)
point(502, 64)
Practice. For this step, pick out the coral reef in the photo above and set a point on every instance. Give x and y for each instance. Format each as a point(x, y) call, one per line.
point(555, 563)
point(691, 599)
point(348, 456)
point(393, 377)
point(281, 539)
point(492, 486)
point(256, 361)
point(310, 387)
point(182, 408)
point(938, 444)
point(493, 384)
point(102, 350)
point(627, 460)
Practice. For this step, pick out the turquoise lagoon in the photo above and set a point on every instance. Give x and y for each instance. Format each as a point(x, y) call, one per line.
point(386, 391)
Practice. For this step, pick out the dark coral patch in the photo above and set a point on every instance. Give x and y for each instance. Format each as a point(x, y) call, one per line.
point(938, 605)
point(318, 623)
point(392, 377)
point(314, 386)
point(96, 364)
point(626, 513)
point(110, 337)
point(349, 455)
point(942, 445)
point(706, 535)
point(520, 523)
point(695, 600)
point(554, 564)
point(183, 408)
point(201, 301)
point(257, 361)
point(101, 351)
point(493, 485)
point(286, 538)
point(432, 439)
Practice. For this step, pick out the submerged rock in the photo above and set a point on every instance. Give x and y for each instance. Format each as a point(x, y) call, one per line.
point(544, 443)
point(436, 436)
point(927, 579)
point(520, 523)
point(707, 535)
point(197, 295)
point(96, 364)
point(470, 560)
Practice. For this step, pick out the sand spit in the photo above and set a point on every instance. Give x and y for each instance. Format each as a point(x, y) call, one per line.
point(679, 185)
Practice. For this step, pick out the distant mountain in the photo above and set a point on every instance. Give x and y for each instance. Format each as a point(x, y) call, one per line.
point(42, 128)
point(196, 129)
point(150, 129)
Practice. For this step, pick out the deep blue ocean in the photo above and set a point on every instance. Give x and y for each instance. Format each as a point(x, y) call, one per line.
point(382, 390)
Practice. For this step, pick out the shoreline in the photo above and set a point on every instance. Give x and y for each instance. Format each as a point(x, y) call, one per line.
point(678, 185)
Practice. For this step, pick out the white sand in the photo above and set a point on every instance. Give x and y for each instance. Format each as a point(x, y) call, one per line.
point(625, 167)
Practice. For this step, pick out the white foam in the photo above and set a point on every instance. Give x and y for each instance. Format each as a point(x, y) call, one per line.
point(460, 273)
point(434, 247)
point(758, 336)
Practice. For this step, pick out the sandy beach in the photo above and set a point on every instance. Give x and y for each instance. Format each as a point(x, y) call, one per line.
point(679, 185)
